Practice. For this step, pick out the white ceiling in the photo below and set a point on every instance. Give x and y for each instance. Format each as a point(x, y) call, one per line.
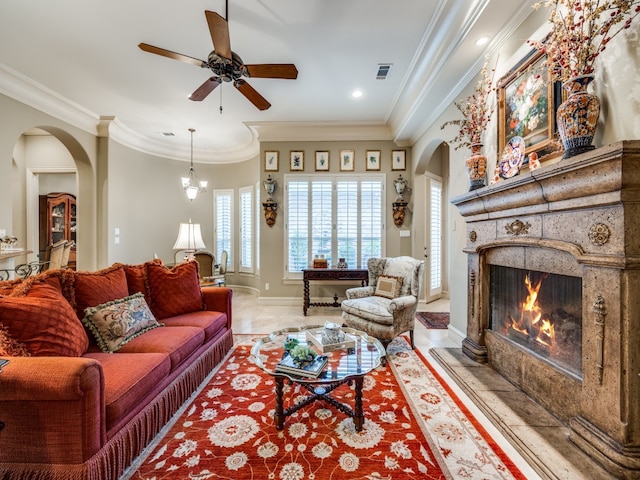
point(82, 56)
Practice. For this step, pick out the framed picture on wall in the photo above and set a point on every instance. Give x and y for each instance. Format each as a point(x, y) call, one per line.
point(373, 160)
point(346, 160)
point(527, 103)
point(296, 160)
point(398, 160)
point(322, 161)
point(271, 161)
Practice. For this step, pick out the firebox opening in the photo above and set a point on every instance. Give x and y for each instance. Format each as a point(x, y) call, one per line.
point(540, 311)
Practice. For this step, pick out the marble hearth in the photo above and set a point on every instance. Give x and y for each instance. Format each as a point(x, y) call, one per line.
point(572, 230)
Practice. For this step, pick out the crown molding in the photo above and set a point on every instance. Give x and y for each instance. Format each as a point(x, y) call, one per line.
point(320, 131)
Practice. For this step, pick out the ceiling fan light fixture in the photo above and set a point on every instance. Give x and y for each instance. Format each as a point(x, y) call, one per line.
point(191, 183)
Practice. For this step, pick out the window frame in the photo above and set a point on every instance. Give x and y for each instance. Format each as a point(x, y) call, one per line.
point(360, 178)
point(216, 195)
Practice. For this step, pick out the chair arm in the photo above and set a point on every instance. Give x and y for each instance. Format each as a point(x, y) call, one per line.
point(359, 292)
point(52, 409)
point(401, 303)
point(218, 299)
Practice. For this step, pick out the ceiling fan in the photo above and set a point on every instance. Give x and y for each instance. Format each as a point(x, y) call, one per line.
point(227, 66)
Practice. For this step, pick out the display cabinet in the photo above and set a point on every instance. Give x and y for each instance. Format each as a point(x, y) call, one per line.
point(57, 221)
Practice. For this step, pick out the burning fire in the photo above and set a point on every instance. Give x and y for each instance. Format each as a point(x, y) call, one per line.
point(532, 322)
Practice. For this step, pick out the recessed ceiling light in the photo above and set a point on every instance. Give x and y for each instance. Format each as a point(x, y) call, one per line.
point(167, 134)
point(482, 41)
point(357, 93)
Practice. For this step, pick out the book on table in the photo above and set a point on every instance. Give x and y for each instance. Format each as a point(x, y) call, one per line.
point(312, 369)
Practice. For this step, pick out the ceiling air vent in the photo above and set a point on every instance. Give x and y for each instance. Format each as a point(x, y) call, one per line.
point(383, 70)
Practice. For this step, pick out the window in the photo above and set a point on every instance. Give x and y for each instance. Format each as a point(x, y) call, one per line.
point(257, 226)
point(338, 217)
point(223, 221)
point(246, 229)
point(434, 236)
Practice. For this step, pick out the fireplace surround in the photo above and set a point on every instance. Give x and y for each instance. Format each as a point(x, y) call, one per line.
point(573, 230)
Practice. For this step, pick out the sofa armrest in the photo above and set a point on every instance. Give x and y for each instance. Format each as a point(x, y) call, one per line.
point(400, 303)
point(218, 299)
point(359, 292)
point(53, 408)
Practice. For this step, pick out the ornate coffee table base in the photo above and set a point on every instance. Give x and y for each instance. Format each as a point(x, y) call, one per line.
point(319, 393)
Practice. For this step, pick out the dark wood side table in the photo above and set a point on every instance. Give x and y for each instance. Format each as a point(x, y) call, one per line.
point(334, 274)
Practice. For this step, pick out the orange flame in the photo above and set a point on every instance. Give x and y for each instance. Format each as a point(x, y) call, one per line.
point(531, 314)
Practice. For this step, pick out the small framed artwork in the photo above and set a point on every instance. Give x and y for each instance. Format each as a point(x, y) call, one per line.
point(296, 160)
point(527, 103)
point(398, 160)
point(346, 160)
point(322, 161)
point(271, 161)
point(373, 160)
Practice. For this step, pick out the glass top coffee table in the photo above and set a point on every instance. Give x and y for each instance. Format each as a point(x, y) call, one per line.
point(345, 365)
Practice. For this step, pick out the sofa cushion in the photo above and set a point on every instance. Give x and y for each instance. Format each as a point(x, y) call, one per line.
point(137, 278)
point(118, 322)
point(388, 287)
point(128, 379)
point(176, 342)
point(174, 291)
point(9, 346)
point(209, 321)
point(37, 315)
point(373, 308)
point(96, 288)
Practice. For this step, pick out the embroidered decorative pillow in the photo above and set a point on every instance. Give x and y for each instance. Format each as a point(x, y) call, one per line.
point(388, 287)
point(10, 346)
point(120, 321)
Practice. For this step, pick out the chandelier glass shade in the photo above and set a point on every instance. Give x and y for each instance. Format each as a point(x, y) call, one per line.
point(191, 183)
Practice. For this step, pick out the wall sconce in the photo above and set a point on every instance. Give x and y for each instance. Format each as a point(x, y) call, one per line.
point(400, 203)
point(270, 206)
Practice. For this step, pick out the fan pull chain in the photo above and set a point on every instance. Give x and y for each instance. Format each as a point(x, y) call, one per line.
point(221, 101)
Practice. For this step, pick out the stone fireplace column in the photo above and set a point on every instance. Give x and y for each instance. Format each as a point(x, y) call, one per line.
point(474, 344)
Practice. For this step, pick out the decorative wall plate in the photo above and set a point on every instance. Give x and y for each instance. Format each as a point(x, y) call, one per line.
point(512, 158)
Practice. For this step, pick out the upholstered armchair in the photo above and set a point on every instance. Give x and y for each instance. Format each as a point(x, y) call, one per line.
point(387, 306)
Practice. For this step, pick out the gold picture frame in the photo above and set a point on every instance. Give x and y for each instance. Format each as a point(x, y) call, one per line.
point(398, 160)
point(527, 103)
point(372, 160)
point(271, 160)
point(347, 160)
point(322, 161)
point(296, 160)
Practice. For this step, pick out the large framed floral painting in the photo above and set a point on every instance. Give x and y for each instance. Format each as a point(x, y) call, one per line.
point(527, 104)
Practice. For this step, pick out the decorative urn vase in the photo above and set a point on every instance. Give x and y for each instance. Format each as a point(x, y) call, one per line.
point(577, 116)
point(476, 167)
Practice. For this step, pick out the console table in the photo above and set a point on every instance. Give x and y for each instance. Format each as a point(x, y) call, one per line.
point(333, 274)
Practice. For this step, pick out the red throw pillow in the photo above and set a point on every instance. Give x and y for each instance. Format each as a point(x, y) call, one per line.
point(96, 288)
point(174, 291)
point(137, 278)
point(42, 319)
point(9, 346)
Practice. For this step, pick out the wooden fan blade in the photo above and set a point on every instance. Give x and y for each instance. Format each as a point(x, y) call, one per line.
point(169, 54)
point(252, 94)
point(205, 89)
point(273, 70)
point(219, 30)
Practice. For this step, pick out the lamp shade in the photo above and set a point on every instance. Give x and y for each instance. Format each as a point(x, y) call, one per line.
point(189, 237)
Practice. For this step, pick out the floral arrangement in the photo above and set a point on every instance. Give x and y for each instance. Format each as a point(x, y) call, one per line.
point(476, 111)
point(302, 354)
point(581, 31)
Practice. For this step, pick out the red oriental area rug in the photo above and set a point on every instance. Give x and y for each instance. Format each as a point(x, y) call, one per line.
point(415, 427)
point(436, 320)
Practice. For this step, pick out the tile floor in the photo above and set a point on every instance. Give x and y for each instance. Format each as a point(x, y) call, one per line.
point(535, 440)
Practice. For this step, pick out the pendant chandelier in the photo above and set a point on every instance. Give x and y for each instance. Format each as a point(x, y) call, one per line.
point(192, 184)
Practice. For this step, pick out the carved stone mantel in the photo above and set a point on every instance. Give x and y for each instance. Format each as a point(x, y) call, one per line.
point(578, 217)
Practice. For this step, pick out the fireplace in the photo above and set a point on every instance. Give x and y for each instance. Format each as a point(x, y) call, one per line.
point(539, 311)
point(553, 302)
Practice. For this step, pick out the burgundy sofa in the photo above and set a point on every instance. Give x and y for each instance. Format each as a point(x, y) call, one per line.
point(70, 410)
